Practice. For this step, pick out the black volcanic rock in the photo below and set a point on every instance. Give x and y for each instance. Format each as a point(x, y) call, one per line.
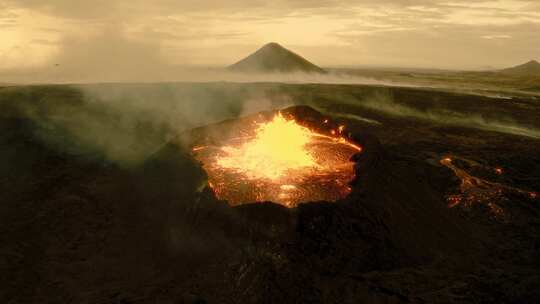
point(274, 58)
point(80, 228)
point(531, 68)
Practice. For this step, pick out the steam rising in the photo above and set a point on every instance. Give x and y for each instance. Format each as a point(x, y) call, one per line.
point(385, 103)
point(127, 122)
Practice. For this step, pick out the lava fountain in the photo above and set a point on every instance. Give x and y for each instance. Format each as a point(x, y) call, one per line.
point(279, 160)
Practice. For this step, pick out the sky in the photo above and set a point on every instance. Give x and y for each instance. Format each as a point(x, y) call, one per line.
point(129, 35)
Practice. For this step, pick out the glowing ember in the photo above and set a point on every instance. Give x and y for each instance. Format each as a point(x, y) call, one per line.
point(279, 161)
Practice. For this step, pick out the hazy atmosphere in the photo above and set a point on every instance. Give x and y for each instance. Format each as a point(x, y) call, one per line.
point(63, 35)
point(259, 151)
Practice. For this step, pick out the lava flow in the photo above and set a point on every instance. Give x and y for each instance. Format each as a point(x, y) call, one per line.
point(280, 161)
point(476, 190)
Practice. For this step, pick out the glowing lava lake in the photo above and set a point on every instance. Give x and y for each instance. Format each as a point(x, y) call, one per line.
point(277, 159)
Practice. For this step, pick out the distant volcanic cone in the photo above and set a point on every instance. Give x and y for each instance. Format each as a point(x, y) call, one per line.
point(531, 68)
point(273, 58)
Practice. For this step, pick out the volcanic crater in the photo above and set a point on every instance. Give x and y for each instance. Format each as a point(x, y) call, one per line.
point(388, 208)
point(288, 157)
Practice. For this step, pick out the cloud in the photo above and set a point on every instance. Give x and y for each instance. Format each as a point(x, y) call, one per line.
point(490, 37)
point(107, 8)
point(108, 55)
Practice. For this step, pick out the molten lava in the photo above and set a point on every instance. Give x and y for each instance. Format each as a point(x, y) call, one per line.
point(279, 161)
point(279, 147)
point(475, 190)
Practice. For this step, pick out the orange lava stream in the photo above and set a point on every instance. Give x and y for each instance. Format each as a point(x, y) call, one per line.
point(475, 190)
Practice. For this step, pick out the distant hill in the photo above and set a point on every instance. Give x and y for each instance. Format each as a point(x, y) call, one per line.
point(272, 57)
point(531, 68)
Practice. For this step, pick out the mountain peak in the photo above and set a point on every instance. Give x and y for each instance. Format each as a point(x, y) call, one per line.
point(272, 45)
point(273, 57)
